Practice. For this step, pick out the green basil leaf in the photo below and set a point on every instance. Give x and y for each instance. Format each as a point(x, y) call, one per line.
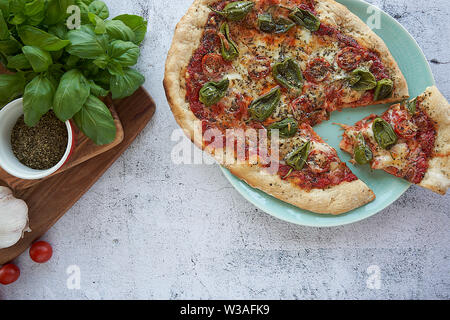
point(19, 62)
point(39, 59)
point(17, 19)
point(4, 32)
point(102, 61)
point(115, 68)
point(17, 8)
point(59, 30)
point(100, 9)
point(263, 107)
point(383, 90)
point(362, 153)
point(32, 36)
point(135, 23)
point(103, 78)
point(411, 106)
point(86, 44)
point(10, 47)
point(125, 53)
point(35, 11)
point(288, 74)
point(362, 80)
point(298, 157)
point(4, 7)
point(11, 87)
point(96, 122)
point(305, 19)
point(99, 24)
point(37, 99)
point(87, 2)
point(57, 11)
point(268, 24)
point(55, 73)
point(212, 92)
point(118, 30)
point(287, 127)
point(235, 11)
point(34, 7)
point(72, 61)
point(229, 49)
point(89, 68)
point(96, 90)
point(71, 94)
point(384, 134)
point(84, 11)
point(126, 85)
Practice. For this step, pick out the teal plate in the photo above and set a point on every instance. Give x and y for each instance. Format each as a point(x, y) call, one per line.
point(387, 188)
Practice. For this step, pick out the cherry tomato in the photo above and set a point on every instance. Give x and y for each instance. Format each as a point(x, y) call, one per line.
point(41, 252)
point(317, 71)
point(9, 273)
point(318, 162)
point(213, 64)
point(403, 127)
point(303, 103)
point(349, 58)
point(417, 169)
point(259, 68)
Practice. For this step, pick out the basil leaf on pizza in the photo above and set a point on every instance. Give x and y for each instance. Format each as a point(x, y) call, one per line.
point(229, 49)
point(305, 19)
point(287, 128)
point(288, 74)
point(235, 11)
point(384, 89)
point(263, 107)
point(212, 92)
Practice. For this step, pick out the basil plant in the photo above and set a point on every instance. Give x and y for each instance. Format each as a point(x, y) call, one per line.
point(69, 71)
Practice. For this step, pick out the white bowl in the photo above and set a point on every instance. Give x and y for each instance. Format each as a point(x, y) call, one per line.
point(8, 161)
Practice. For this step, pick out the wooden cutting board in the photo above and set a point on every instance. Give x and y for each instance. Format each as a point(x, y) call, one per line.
point(50, 199)
point(84, 150)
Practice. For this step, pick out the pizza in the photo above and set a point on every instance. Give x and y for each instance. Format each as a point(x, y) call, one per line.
point(411, 140)
point(279, 65)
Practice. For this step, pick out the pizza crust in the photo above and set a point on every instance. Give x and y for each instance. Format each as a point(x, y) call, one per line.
point(334, 200)
point(437, 107)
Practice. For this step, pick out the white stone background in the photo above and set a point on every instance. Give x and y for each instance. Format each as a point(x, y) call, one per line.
point(152, 230)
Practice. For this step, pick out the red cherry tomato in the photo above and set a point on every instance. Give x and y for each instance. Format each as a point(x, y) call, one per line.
point(317, 70)
point(9, 273)
point(318, 161)
point(213, 64)
point(303, 104)
point(349, 58)
point(403, 127)
point(41, 252)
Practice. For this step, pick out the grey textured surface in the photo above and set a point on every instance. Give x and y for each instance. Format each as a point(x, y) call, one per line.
point(152, 229)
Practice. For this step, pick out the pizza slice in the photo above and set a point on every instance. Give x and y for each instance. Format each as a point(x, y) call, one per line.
point(411, 140)
point(309, 175)
point(283, 63)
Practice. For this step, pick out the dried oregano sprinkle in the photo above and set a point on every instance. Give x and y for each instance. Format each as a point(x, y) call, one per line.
point(40, 147)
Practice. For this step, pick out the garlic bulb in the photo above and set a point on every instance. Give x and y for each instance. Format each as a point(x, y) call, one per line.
point(13, 218)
